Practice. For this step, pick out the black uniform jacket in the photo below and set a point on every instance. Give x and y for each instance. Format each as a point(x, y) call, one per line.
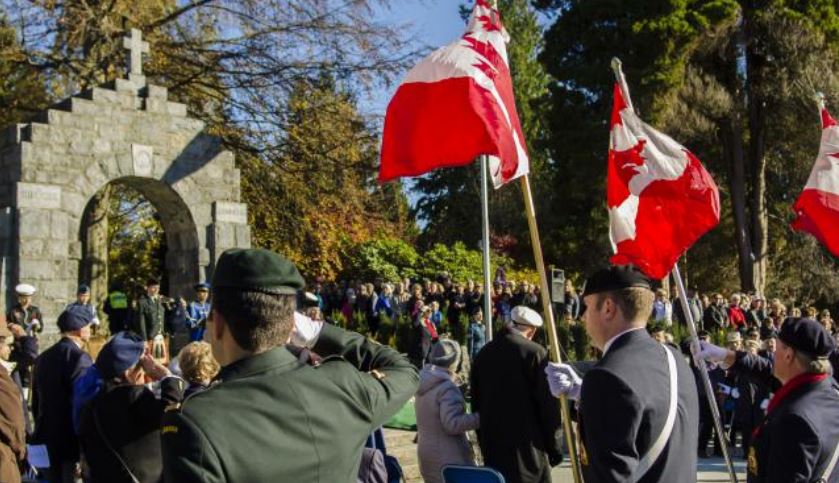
point(623, 406)
point(129, 425)
point(520, 425)
point(798, 437)
point(55, 372)
point(272, 418)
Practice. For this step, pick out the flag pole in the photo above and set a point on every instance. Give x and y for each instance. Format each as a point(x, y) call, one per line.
point(703, 369)
point(553, 341)
point(484, 162)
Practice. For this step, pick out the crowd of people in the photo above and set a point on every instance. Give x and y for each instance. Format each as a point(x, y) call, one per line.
point(255, 372)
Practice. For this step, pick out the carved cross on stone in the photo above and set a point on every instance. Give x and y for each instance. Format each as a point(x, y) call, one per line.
point(136, 48)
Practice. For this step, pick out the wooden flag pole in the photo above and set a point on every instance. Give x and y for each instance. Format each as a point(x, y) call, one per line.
point(553, 341)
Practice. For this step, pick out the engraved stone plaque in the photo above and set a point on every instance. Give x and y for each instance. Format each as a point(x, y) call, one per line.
point(34, 195)
point(143, 157)
point(227, 212)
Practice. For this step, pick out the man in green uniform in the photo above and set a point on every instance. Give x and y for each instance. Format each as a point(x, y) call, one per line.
point(268, 416)
point(150, 312)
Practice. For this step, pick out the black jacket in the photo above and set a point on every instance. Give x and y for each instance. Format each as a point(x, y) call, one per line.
point(623, 405)
point(797, 439)
point(55, 372)
point(520, 425)
point(129, 417)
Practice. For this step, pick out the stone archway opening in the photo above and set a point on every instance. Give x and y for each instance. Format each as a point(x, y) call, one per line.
point(135, 228)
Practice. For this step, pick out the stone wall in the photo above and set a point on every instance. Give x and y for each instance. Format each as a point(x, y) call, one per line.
point(125, 132)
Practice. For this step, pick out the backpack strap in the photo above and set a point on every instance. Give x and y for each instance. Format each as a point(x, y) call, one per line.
point(647, 461)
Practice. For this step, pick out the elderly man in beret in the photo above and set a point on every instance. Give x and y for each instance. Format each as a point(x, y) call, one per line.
point(798, 441)
point(519, 434)
point(56, 370)
point(267, 416)
point(639, 413)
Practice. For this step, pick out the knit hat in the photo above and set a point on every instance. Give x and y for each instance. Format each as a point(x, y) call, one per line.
point(445, 353)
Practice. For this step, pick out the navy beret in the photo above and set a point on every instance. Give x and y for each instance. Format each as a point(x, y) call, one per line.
point(257, 270)
point(806, 335)
point(616, 278)
point(121, 353)
point(74, 317)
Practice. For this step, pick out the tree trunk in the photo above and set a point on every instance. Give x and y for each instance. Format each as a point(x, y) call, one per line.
point(733, 145)
point(94, 266)
point(755, 63)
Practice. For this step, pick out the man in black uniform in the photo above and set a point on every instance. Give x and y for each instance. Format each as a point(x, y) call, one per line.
point(639, 412)
point(519, 433)
point(56, 370)
point(799, 439)
point(269, 417)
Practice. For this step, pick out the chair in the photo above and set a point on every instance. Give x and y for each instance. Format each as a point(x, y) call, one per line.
point(470, 474)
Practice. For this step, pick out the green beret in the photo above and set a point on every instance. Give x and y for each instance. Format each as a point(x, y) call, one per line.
point(257, 270)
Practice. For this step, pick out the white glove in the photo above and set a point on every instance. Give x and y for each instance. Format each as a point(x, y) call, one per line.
point(764, 404)
point(35, 323)
point(735, 393)
point(563, 381)
point(306, 331)
point(711, 352)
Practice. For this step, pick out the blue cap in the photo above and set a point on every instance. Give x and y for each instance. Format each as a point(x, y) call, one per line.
point(83, 289)
point(121, 353)
point(74, 317)
point(202, 286)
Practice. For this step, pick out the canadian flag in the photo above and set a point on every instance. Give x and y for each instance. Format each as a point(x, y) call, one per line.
point(661, 199)
point(817, 209)
point(455, 105)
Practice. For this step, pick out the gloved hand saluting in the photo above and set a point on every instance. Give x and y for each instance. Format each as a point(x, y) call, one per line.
point(306, 331)
point(712, 353)
point(563, 381)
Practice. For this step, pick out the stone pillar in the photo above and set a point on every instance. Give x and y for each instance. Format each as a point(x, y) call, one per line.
point(43, 241)
point(229, 229)
point(7, 251)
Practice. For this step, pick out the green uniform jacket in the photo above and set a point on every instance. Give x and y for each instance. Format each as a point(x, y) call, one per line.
point(149, 319)
point(270, 418)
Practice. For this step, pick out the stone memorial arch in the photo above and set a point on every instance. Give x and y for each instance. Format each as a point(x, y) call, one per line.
point(124, 132)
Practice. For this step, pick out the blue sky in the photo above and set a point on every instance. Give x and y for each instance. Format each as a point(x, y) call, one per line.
point(433, 23)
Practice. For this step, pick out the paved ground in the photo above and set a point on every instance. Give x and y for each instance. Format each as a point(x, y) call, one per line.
point(711, 470)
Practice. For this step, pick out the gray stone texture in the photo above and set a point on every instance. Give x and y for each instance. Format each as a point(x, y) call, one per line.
point(51, 168)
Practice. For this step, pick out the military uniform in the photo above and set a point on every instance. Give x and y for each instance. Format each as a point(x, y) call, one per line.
point(150, 317)
point(628, 398)
point(25, 348)
point(271, 418)
point(623, 406)
point(799, 435)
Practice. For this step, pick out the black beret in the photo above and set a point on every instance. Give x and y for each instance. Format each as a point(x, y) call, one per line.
point(257, 270)
point(806, 335)
point(616, 278)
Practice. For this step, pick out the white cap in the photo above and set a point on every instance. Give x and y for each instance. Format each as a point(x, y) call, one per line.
point(25, 289)
point(526, 316)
